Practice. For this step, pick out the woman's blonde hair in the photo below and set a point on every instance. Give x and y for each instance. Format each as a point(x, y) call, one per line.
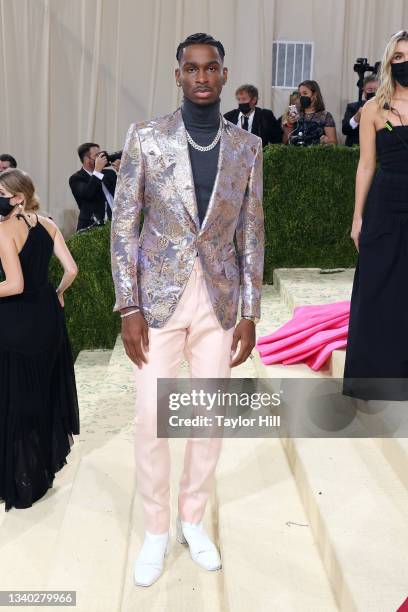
point(386, 88)
point(17, 181)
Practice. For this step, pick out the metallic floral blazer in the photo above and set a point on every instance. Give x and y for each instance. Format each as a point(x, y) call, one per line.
point(152, 270)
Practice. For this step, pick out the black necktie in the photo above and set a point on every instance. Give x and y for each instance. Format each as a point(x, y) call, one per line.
point(245, 123)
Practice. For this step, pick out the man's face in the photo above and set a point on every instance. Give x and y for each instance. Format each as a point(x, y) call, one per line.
point(244, 97)
point(92, 154)
point(4, 165)
point(370, 87)
point(201, 73)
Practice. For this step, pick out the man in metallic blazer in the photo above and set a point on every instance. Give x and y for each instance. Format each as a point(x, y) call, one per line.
point(198, 180)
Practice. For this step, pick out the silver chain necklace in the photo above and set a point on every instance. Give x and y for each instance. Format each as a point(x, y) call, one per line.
point(211, 145)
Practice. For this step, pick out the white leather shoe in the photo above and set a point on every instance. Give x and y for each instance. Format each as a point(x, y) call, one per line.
point(149, 564)
point(202, 550)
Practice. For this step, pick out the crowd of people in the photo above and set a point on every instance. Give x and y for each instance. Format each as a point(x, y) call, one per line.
point(305, 122)
point(178, 285)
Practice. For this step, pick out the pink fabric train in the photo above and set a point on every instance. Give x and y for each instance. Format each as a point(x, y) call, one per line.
point(310, 337)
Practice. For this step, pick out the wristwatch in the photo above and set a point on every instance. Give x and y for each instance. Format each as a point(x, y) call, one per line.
point(254, 319)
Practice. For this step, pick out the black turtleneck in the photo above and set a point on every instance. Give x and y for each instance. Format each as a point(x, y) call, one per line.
point(202, 123)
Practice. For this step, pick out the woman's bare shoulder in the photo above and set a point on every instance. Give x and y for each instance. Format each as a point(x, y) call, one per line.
point(49, 224)
point(8, 226)
point(8, 231)
point(371, 109)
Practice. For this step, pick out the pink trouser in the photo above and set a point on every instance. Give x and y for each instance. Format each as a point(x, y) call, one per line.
point(192, 330)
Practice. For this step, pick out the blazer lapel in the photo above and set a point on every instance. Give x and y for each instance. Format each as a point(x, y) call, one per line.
point(227, 143)
point(174, 148)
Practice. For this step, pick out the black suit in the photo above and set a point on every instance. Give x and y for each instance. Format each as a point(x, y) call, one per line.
point(88, 193)
point(352, 135)
point(264, 125)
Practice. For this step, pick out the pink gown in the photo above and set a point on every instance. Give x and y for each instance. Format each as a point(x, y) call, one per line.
point(310, 337)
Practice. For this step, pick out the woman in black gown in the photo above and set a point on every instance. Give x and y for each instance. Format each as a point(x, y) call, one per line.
point(38, 399)
point(377, 348)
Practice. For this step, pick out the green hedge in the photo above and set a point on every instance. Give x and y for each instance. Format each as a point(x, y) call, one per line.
point(308, 202)
point(89, 301)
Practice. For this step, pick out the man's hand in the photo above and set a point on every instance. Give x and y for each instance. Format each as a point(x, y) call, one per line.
point(357, 116)
point(100, 161)
point(135, 338)
point(116, 165)
point(244, 333)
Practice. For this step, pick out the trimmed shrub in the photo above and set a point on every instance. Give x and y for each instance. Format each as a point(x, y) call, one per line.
point(308, 204)
point(89, 301)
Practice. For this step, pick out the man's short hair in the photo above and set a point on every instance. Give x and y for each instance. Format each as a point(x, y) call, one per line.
point(84, 149)
point(371, 78)
point(251, 90)
point(9, 158)
point(200, 39)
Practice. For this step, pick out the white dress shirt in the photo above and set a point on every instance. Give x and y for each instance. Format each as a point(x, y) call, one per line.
point(108, 195)
point(354, 123)
point(250, 120)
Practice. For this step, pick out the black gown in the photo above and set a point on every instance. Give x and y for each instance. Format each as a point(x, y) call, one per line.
point(38, 399)
point(376, 364)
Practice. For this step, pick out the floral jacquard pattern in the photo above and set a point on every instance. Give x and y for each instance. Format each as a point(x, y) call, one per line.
point(151, 270)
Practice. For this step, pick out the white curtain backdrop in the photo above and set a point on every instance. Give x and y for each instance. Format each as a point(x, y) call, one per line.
point(79, 70)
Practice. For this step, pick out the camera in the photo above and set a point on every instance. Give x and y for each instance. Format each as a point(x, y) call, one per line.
point(361, 67)
point(111, 157)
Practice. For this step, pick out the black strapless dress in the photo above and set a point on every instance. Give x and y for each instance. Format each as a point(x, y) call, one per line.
point(377, 347)
point(38, 399)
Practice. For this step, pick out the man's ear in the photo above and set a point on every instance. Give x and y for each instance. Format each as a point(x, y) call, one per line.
point(225, 74)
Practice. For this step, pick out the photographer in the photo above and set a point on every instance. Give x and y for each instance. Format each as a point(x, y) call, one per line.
point(93, 187)
point(313, 124)
point(351, 119)
point(7, 161)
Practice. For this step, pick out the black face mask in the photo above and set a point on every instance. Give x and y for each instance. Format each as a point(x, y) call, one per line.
point(399, 72)
point(5, 206)
point(305, 102)
point(370, 95)
point(244, 107)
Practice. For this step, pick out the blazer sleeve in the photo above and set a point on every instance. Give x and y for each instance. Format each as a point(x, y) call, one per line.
point(126, 211)
point(350, 112)
point(84, 189)
point(250, 240)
